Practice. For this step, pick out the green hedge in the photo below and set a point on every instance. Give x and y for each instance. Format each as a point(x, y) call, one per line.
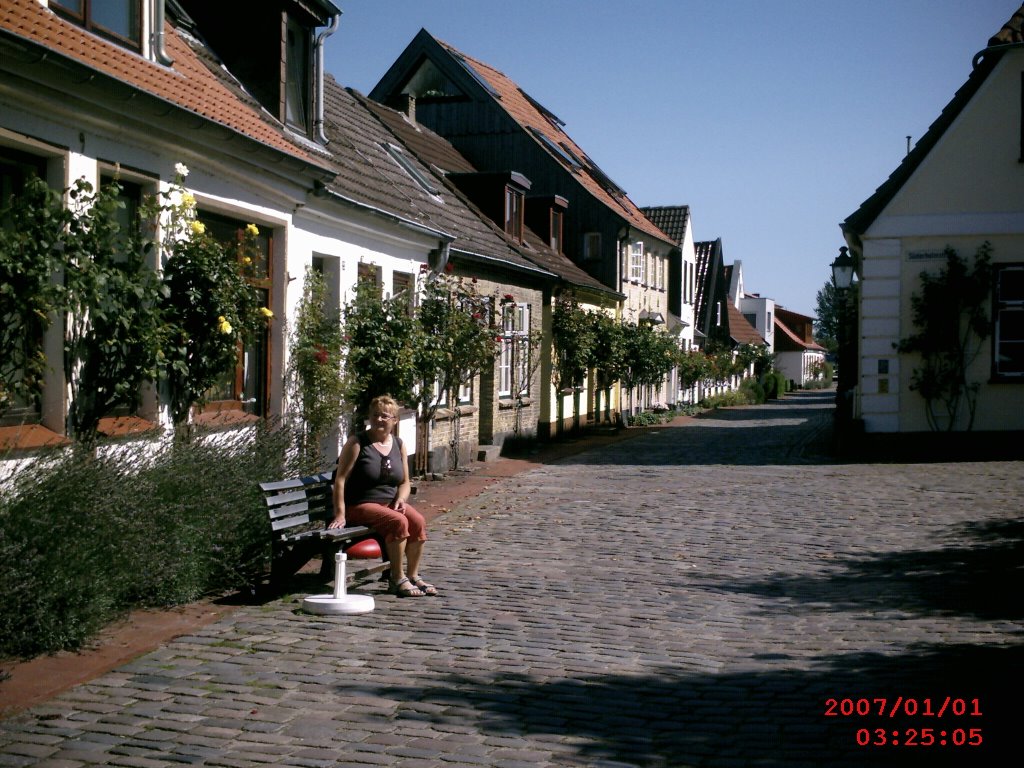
point(85, 538)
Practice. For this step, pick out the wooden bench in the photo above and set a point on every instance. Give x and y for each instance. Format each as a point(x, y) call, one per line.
point(299, 510)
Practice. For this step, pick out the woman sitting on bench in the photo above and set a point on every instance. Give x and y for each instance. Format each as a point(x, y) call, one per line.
point(371, 487)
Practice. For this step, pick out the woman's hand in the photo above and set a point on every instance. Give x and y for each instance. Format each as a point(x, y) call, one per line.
point(338, 522)
point(398, 505)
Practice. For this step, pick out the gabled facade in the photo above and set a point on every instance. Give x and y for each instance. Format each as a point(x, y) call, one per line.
point(537, 241)
point(505, 133)
point(675, 221)
point(797, 355)
point(132, 93)
point(961, 186)
point(757, 310)
point(712, 294)
point(328, 185)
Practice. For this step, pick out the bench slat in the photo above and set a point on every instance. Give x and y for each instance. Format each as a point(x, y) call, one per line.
point(297, 482)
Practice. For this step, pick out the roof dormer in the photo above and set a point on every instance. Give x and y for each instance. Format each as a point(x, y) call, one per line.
point(273, 48)
point(124, 22)
point(501, 196)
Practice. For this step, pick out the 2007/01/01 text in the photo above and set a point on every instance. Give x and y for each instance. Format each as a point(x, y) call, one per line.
point(882, 706)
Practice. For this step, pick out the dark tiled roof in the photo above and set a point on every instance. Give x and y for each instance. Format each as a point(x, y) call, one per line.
point(188, 83)
point(529, 114)
point(1012, 31)
point(434, 150)
point(670, 219)
point(860, 220)
point(369, 175)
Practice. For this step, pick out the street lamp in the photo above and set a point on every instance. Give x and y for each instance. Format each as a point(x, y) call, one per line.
point(842, 270)
point(842, 278)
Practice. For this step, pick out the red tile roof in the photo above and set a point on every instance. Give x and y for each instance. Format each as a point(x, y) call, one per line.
point(532, 116)
point(740, 329)
point(789, 341)
point(188, 83)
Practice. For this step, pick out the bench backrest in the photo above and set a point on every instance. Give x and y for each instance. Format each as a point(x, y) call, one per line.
point(299, 504)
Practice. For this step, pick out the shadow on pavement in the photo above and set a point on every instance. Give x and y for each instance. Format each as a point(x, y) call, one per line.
point(983, 580)
point(675, 717)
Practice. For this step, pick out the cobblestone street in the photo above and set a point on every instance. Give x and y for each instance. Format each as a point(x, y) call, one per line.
point(693, 596)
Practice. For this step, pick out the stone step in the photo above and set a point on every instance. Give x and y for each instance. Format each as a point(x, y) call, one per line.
point(488, 452)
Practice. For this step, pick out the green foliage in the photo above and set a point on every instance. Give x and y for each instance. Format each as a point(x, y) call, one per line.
point(572, 336)
point(455, 338)
point(379, 339)
point(756, 355)
point(694, 366)
point(649, 354)
point(952, 321)
point(826, 323)
point(729, 399)
point(124, 326)
point(113, 325)
point(607, 355)
point(31, 225)
point(210, 308)
point(775, 385)
point(87, 536)
point(314, 376)
point(753, 390)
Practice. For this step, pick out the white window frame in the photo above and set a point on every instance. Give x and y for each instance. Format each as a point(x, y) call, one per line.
point(1002, 307)
point(636, 262)
point(513, 358)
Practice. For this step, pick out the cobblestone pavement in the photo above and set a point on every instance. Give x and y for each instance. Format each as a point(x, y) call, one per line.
point(694, 596)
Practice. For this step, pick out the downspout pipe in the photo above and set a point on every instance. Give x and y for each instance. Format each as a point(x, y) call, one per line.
point(320, 38)
point(159, 41)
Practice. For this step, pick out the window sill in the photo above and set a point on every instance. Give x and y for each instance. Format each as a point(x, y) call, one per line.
point(444, 414)
point(508, 403)
point(215, 418)
point(124, 426)
point(27, 437)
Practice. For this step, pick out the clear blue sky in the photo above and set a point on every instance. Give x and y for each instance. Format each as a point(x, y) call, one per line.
point(772, 120)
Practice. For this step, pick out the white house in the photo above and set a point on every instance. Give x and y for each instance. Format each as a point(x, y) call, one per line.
point(960, 187)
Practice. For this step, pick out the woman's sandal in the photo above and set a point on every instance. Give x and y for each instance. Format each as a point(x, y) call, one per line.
point(427, 589)
point(404, 588)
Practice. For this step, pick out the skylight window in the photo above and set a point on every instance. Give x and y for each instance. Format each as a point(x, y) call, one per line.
point(569, 160)
point(407, 165)
point(476, 75)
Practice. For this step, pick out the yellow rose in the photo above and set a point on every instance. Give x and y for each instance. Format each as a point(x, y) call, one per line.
point(266, 312)
point(252, 229)
point(188, 200)
point(247, 260)
point(225, 327)
point(198, 228)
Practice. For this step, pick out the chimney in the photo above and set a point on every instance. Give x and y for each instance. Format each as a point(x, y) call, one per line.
point(406, 103)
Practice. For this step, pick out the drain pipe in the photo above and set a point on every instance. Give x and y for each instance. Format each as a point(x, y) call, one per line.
point(158, 34)
point(319, 120)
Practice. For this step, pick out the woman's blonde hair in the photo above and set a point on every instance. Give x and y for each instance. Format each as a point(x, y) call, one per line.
point(384, 403)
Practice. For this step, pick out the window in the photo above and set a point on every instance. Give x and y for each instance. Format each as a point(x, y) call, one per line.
point(15, 170)
point(514, 206)
point(592, 245)
point(127, 214)
point(369, 273)
point(514, 357)
point(402, 287)
point(298, 81)
point(410, 168)
point(1008, 305)
point(119, 20)
point(557, 220)
point(636, 262)
point(247, 386)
